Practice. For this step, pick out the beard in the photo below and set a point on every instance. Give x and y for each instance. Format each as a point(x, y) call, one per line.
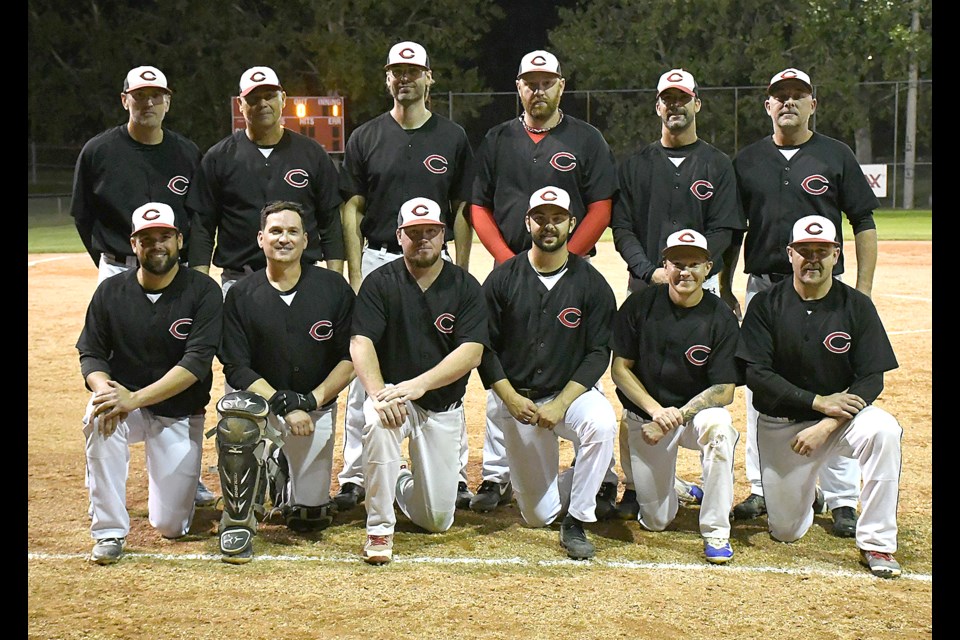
point(423, 261)
point(160, 265)
point(559, 242)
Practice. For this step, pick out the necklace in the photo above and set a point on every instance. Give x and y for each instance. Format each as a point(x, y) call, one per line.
point(545, 129)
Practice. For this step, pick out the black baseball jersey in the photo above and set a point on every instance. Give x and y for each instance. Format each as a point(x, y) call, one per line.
point(657, 198)
point(823, 178)
point(291, 345)
point(542, 339)
point(388, 165)
point(510, 167)
point(234, 182)
point(115, 174)
point(677, 351)
point(413, 330)
point(794, 349)
point(136, 341)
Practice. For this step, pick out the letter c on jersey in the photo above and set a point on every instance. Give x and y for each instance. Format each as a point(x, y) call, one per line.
point(570, 317)
point(321, 330)
point(178, 184)
point(444, 322)
point(698, 354)
point(180, 329)
point(702, 189)
point(297, 178)
point(815, 185)
point(563, 161)
point(838, 342)
point(435, 163)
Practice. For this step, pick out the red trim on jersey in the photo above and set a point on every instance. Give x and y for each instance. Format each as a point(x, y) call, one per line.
point(489, 233)
point(594, 223)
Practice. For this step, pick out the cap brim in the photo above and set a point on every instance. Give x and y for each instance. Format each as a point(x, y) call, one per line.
point(803, 82)
point(544, 205)
point(257, 86)
point(820, 240)
point(387, 66)
point(416, 223)
point(147, 86)
point(159, 225)
point(668, 250)
point(676, 86)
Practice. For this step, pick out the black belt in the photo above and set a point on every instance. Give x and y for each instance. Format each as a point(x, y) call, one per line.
point(120, 261)
point(389, 247)
point(535, 394)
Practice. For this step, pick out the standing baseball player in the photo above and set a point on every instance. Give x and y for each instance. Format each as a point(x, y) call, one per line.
point(679, 181)
point(146, 352)
point(790, 174)
point(550, 317)
point(815, 352)
point(675, 369)
point(419, 328)
point(262, 163)
point(404, 153)
point(286, 337)
point(126, 166)
point(542, 147)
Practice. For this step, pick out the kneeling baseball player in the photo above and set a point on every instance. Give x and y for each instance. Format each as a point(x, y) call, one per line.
point(286, 338)
point(419, 328)
point(675, 369)
point(815, 353)
point(550, 315)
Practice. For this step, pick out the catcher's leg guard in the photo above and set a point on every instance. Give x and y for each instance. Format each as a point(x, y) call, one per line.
point(240, 448)
point(303, 519)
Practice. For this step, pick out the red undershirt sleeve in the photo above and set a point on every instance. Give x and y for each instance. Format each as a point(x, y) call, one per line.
point(489, 233)
point(589, 230)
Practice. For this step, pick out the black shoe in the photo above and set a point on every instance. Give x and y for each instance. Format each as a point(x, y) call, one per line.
point(491, 495)
point(606, 501)
point(628, 508)
point(350, 495)
point(844, 522)
point(305, 519)
point(819, 503)
point(753, 507)
point(464, 495)
point(574, 539)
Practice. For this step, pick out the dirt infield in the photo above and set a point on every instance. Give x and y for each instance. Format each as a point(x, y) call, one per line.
point(489, 576)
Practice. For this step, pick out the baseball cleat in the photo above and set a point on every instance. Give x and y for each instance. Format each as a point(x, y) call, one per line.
point(236, 545)
point(717, 550)
point(819, 503)
point(108, 550)
point(204, 497)
point(687, 492)
point(880, 564)
point(464, 496)
point(491, 495)
point(844, 522)
point(628, 508)
point(753, 507)
point(606, 501)
point(378, 549)
point(349, 496)
point(574, 539)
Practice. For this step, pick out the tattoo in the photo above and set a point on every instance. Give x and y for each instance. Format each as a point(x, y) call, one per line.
point(710, 397)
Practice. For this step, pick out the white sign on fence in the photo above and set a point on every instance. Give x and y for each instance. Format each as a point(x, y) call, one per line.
point(876, 175)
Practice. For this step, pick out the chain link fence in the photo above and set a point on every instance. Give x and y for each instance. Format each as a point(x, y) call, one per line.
point(730, 119)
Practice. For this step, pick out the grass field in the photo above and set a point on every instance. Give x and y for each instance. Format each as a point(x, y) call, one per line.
point(56, 234)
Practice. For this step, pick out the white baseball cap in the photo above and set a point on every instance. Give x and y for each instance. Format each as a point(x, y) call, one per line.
point(686, 238)
point(140, 77)
point(813, 229)
point(677, 79)
point(553, 196)
point(153, 215)
point(539, 61)
point(418, 211)
point(408, 53)
point(790, 74)
point(258, 77)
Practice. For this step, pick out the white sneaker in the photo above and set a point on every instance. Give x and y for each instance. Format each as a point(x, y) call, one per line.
point(378, 549)
point(108, 550)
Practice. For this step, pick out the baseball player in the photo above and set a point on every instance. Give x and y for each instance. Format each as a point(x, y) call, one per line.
point(542, 147)
point(550, 316)
point(404, 153)
point(815, 352)
point(419, 328)
point(126, 166)
point(262, 163)
point(679, 181)
point(146, 352)
point(675, 369)
point(792, 173)
point(286, 337)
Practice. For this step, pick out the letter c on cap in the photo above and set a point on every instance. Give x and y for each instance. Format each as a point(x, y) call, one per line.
point(148, 75)
point(150, 214)
point(675, 77)
point(538, 61)
point(686, 237)
point(548, 196)
point(814, 229)
point(407, 53)
point(420, 210)
point(258, 76)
